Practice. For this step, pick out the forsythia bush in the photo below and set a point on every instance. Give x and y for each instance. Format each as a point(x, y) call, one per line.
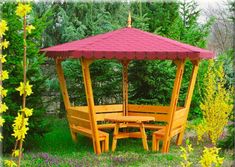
point(217, 103)
point(20, 125)
point(210, 156)
point(3, 73)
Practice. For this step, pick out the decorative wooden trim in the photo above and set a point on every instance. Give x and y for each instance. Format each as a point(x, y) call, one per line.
point(90, 102)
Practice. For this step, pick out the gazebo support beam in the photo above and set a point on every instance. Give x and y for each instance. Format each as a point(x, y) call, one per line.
point(174, 100)
point(64, 91)
point(189, 97)
point(90, 102)
point(125, 85)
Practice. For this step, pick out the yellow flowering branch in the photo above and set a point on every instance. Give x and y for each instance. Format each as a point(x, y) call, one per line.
point(210, 157)
point(3, 73)
point(20, 125)
point(185, 152)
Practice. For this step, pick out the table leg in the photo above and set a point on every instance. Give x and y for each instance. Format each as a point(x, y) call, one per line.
point(144, 136)
point(115, 133)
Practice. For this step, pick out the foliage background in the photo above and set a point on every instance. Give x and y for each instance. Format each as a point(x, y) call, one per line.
point(150, 82)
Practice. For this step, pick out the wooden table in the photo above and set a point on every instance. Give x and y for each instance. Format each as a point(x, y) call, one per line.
point(124, 120)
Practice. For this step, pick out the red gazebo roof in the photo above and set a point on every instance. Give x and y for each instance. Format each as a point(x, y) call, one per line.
point(127, 43)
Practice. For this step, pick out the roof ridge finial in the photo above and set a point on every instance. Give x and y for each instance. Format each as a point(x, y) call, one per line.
point(129, 19)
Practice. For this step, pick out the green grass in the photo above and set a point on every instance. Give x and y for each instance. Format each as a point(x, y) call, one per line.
point(57, 149)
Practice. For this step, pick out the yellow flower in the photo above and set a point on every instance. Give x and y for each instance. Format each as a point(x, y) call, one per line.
point(29, 28)
point(18, 121)
point(3, 92)
point(4, 75)
point(3, 28)
point(3, 108)
point(28, 89)
point(20, 127)
point(20, 133)
point(1, 137)
point(10, 163)
point(1, 121)
point(2, 58)
point(16, 153)
point(5, 44)
point(211, 157)
point(28, 112)
point(21, 88)
point(23, 9)
point(25, 89)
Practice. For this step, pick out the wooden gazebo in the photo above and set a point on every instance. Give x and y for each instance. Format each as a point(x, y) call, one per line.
point(127, 44)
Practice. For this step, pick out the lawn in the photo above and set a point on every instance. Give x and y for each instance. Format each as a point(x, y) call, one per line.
point(57, 149)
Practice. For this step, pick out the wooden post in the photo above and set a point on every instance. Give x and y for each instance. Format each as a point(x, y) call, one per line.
point(64, 92)
point(174, 100)
point(62, 82)
point(90, 102)
point(115, 133)
point(189, 97)
point(125, 85)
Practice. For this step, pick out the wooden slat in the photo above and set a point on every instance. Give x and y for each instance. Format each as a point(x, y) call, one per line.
point(135, 134)
point(88, 132)
point(147, 126)
point(101, 108)
point(158, 117)
point(180, 113)
point(148, 108)
point(136, 119)
point(101, 117)
point(106, 126)
point(85, 132)
point(119, 107)
point(134, 125)
point(176, 131)
point(122, 135)
point(79, 114)
point(108, 108)
point(79, 122)
point(79, 108)
point(178, 122)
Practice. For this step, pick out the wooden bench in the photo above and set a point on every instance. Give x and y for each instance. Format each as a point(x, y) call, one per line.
point(103, 136)
point(177, 128)
point(79, 122)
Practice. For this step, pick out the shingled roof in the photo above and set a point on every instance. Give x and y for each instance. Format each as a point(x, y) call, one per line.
point(127, 43)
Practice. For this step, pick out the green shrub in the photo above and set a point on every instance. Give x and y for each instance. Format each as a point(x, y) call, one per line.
point(37, 122)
